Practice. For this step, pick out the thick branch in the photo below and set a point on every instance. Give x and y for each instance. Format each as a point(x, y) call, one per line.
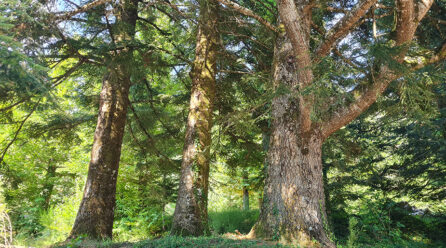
point(297, 25)
point(337, 10)
point(247, 12)
point(335, 50)
point(408, 19)
point(367, 97)
point(423, 7)
point(82, 9)
point(342, 28)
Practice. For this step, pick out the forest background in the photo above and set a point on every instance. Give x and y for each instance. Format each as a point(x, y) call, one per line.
point(384, 174)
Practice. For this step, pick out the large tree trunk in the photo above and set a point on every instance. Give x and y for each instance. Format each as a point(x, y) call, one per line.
point(293, 208)
point(190, 217)
point(95, 215)
point(96, 211)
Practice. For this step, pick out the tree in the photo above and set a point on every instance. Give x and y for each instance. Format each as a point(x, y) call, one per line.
point(23, 75)
point(190, 217)
point(394, 147)
point(96, 211)
point(294, 200)
point(391, 152)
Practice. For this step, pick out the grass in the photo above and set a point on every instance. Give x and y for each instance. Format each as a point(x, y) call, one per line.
point(231, 220)
point(203, 242)
point(175, 242)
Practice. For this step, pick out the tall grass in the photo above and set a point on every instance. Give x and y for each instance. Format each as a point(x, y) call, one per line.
point(232, 220)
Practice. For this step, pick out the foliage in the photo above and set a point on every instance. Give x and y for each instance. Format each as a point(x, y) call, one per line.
point(148, 224)
point(22, 71)
point(56, 221)
point(230, 221)
point(59, 219)
point(379, 222)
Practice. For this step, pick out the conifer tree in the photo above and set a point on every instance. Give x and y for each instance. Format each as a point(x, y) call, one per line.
point(294, 199)
point(96, 212)
point(310, 105)
point(190, 217)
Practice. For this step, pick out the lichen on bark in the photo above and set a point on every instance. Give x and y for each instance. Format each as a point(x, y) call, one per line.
point(190, 216)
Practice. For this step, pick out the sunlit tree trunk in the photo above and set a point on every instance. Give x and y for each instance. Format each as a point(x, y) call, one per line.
point(190, 217)
point(95, 216)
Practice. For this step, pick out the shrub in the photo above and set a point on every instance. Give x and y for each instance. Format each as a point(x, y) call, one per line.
point(59, 219)
point(56, 222)
point(385, 224)
point(147, 224)
point(339, 221)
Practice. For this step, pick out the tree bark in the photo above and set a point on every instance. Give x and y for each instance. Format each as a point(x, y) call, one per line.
point(248, 12)
point(245, 191)
point(49, 184)
point(86, 7)
point(95, 215)
point(245, 199)
point(293, 208)
point(96, 211)
point(190, 216)
point(260, 199)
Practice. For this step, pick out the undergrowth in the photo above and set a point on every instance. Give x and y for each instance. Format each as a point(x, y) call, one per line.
point(174, 242)
point(232, 221)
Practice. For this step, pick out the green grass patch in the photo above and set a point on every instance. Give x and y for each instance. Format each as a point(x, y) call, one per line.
point(174, 242)
point(231, 220)
point(202, 242)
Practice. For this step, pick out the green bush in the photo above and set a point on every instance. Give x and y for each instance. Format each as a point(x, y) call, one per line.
point(385, 224)
point(231, 220)
point(424, 224)
point(56, 222)
point(151, 223)
point(435, 228)
point(339, 221)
